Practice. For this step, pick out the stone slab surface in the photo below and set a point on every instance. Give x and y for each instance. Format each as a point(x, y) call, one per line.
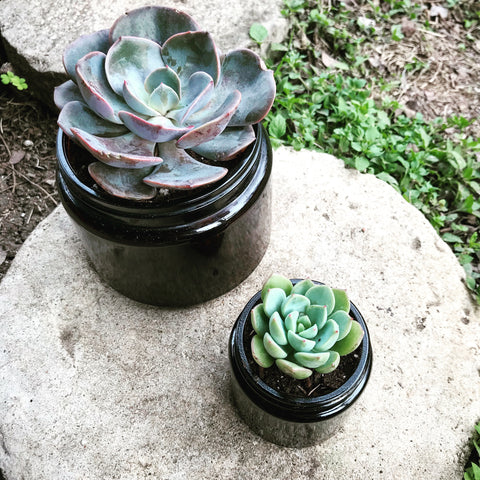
point(95, 386)
point(36, 32)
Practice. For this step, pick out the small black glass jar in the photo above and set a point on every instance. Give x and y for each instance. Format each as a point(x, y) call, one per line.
point(188, 248)
point(285, 419)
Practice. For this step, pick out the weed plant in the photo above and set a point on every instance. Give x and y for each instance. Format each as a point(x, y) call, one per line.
point(344, 109)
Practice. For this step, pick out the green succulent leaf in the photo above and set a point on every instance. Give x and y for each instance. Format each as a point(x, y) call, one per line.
point(163, 99)
point(272, 347)
point(260, 354)
point(310, 332)
point(277, 329)
point(327, 336)
point(291, 321)
point(277, 281)
point(138, 100)
point(164, 75)
point(302, 287)
point(273, 300)
point(352, 341)
point(299, 343)
point(341, 300)
point(292, 369)
point(322, 295)
point(295, 302)
point(344, 322)
point(259, 320)
point(311, 359)
point(317, 314)
point(65, 93)
point(331, 364)
point(304, 321)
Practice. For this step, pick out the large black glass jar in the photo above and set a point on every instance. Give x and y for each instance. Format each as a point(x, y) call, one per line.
point(188, 247)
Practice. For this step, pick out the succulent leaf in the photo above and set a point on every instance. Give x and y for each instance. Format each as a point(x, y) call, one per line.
point(181, 171)
point(260, 354)
point(341, 300)
point(351, 341)
point(137, 100)
point(259, 320)
point(190, 52)
point(255, 83)
point(163, 75)
point(272, 347)
point(299, 343)
point(331, 364)
point(295, 302)
point(156, 129)
point(310, 332)
point(224, 147)
point(311, 359)
point(122, 182)
point(273, 300)
point(305, 321)
point(163, 99)
point(95, 90)
point(292, 369)
point(327, 336)
point(322, 295)
point(344, 322)
point(277, 329)
point(131, 59)
point(317, 314)
point(291, 321)
point(152, 22)
point(302, 287)
point(116, 151)
point(277, 281)
point(210, 124)
point(77, 115)
point(92, 42)
point(65, 93)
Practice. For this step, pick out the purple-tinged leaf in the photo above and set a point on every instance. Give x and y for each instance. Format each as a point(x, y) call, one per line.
point(131, 59)
point(155, 23)
point(93, 42)
point(211, 123)
point(198, 93)
point(190, 52)
point(138, 100)
point(95, 89)
point(181, 171)
point(156, 129)
point(122, 182)
point(163, 99)
point(245, 71)
point(124, 151)
point(163, 75)
point(231, 142)
point(77, 115)
point(66, 92)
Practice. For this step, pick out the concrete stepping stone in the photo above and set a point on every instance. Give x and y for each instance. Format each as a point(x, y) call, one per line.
point(35, 33)
point(96, 386)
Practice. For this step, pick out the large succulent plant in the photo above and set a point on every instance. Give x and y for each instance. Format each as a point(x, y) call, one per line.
point(145, 94)
point(302, 328)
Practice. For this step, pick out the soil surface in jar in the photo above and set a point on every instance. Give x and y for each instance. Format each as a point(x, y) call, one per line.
point(316, 385)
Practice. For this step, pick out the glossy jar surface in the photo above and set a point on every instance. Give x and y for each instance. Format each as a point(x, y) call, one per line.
point(285, 419)
point(188, 248)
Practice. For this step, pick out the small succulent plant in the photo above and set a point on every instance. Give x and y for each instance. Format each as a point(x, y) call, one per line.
point(145, 94)
point(302, 328)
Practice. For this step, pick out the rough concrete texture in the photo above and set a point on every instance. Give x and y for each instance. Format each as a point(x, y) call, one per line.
point(95, 386)
point(35, 33)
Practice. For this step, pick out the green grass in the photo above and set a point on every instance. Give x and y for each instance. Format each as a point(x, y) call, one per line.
point(473, 470)
point(346, 109)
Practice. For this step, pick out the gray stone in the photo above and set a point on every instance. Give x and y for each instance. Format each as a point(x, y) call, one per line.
point(95, 386)
point(35, 32)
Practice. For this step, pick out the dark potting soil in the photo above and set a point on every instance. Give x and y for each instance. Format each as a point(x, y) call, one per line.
point(316, 385)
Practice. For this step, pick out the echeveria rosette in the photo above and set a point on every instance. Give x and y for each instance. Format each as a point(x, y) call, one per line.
point(302, 328)
point(151, 90)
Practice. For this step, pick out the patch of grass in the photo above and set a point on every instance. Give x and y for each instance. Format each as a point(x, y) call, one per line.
point(325, 102)
point(473, 470)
